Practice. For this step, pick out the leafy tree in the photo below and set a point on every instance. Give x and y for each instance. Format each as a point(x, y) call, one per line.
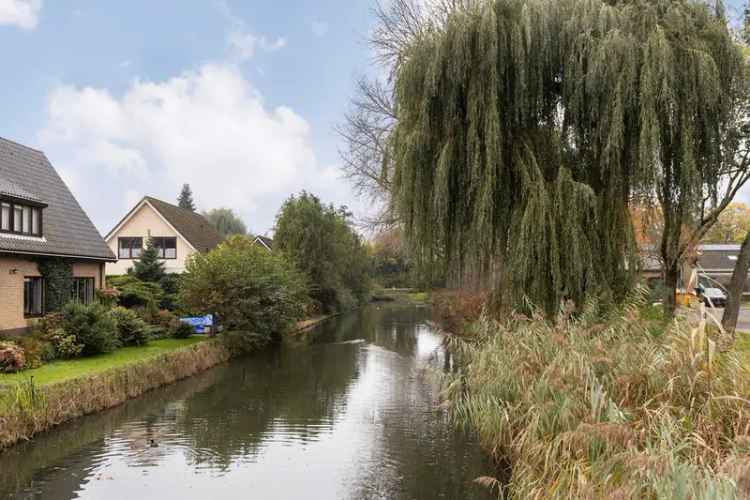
point(149, 267)
point(225, 221)
point(525, 128)
point(732, 225)
point(185, 200)
point(320, 241)
point(256, 295)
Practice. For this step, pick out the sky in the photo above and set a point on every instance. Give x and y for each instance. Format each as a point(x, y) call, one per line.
point(238, 98)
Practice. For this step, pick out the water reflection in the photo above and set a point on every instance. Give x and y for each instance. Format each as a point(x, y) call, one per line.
point(348, 413)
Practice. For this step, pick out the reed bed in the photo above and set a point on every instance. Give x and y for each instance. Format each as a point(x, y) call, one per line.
point(27, 408)
point(618, 407)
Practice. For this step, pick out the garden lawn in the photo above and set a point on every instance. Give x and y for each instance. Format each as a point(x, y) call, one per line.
point(58, 371)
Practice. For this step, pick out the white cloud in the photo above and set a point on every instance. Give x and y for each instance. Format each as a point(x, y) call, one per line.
point(21, 13)
point(319, 28)
point(209, 128)
point(244, 45)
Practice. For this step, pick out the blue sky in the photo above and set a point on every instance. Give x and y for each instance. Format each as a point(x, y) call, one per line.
point(236, 97)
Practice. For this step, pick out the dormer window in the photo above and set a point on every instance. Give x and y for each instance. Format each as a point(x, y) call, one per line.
point(17, 217)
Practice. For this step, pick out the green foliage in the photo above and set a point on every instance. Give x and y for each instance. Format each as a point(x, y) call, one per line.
point(58, 276)
point(603, 408)
point(149, 267)
point(131, 329)
point(136, 293)
point(170, 285)
point(225, 221)
point(319, 240)
point(93, 327)
point(250, 290)
point(185, 199)
point(65, 345)
point(183, 331)
point(525, 127)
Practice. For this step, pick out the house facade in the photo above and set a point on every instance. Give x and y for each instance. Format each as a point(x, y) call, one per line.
point(711, 266)
point(176, 232)
point(40, 220)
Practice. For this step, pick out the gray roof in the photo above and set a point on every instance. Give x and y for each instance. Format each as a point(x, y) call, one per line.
point(718, 257)
point(26, 173)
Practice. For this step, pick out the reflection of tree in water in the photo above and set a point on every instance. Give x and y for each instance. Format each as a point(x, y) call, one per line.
point(59, 462)
point(293, 393)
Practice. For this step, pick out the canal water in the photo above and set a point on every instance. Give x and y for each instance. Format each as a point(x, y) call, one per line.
point(351, 413)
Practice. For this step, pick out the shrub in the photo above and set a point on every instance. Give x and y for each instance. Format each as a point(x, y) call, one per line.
point(183, 331)
point(249, 289)
point(131, 329)
point(92, 326)
point(454, 310)
point(37, 350)
point(66, 345)
point(12, 357)
point(170, 285)
point(136, 293)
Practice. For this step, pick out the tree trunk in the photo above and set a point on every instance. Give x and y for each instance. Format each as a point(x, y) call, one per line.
point(671, 273)
point(736, 287)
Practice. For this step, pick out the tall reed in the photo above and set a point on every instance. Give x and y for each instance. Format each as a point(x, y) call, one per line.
point(605, 408)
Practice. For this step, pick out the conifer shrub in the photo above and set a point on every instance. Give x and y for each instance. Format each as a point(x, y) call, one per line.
point(93, 327)
point(131, 329)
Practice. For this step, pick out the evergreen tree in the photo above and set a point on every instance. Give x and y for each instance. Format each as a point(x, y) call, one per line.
point(185, 200)
point(149, 267)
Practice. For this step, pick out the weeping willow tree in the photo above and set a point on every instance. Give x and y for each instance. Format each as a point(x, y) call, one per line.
point(526, 127)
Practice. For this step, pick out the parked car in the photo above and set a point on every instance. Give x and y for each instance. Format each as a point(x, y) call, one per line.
point(716, 296)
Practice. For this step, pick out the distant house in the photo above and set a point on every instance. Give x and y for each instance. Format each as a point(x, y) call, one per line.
point(711, 264)
point(265, 242)
point(39, 219)
point(177, 233)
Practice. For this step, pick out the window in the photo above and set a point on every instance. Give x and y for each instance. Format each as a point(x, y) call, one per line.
point(83, 290)
point(20, 219)
point(130, 248)
point(167, 247)
point(4, 216)
point(33, 296)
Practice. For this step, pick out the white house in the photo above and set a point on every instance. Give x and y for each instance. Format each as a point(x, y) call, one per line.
point(177, 233)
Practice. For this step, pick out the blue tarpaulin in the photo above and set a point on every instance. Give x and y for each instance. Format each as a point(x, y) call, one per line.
point(201, 324)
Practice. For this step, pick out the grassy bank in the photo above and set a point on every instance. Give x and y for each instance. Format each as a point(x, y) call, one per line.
point(29, 406)
point(59, 371)
point(606, 409)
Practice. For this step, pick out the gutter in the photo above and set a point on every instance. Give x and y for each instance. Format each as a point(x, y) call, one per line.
point(68, 256)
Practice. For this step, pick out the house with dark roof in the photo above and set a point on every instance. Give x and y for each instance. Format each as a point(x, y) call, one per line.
point(40, 219)
point(176, 232)
point(264, 241)
point(711, 265)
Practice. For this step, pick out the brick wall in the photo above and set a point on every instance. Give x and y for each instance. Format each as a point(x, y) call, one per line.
point(12, 272)
point(11, 287)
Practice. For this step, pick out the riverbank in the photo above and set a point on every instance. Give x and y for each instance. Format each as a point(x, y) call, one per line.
point(29, 406)
point(590, 408)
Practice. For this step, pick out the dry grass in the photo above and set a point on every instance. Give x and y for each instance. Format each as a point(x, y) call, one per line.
point(585, 408)
point(27, 409)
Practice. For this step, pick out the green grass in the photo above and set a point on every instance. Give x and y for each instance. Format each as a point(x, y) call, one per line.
point(59, 371)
